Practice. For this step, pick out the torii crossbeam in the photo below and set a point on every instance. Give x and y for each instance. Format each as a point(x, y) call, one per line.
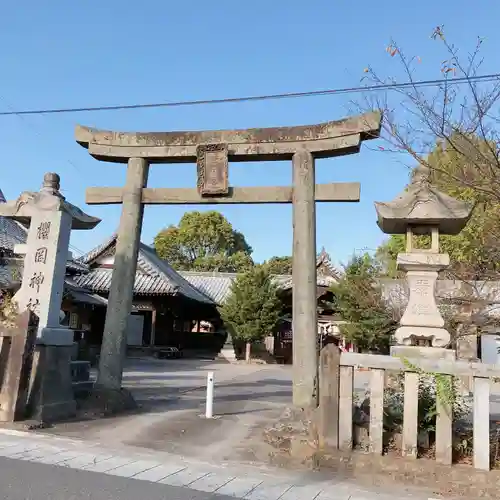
point(212, 151)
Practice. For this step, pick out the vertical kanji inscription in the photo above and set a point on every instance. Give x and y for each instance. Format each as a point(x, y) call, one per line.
point(41, 255)
point(43, 231)
point(212, 163)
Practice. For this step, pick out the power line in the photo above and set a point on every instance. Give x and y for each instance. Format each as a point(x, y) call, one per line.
point(76, 249)
point(290, 95)
point(72, 247)
point(12, 112)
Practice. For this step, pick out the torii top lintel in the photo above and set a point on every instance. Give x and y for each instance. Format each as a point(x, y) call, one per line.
point(335, 138)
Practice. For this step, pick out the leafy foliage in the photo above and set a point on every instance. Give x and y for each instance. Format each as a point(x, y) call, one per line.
point(436, 387)
point(204, 241)
point(432, 387)
point(253, 308)
point(279, 265)
point(358, 299)
point(387, 254)
point(8, 310)
point(452, 130)
point(475, 252)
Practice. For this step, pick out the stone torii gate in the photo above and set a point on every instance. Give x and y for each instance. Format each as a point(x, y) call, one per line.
point(211, 151)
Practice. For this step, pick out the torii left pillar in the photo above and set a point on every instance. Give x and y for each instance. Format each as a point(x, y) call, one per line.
point(114, 346)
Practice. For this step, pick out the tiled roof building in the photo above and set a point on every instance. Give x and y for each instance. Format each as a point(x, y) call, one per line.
point(154, 276)
point(217, 285)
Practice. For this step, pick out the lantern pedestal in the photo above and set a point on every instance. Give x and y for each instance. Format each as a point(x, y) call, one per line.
point(422, 319)
point(416, 352)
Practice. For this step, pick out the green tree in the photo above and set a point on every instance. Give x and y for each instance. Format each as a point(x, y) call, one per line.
point(279, 265)
point(369, 321)
point(253, 307)
point(204, 241)
point(387, 253)
point(475, 252)
point(453, 130)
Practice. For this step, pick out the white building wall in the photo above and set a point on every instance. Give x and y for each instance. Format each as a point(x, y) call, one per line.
point(490, 343)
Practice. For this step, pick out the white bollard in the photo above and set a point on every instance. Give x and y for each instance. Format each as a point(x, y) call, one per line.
point(209, 412)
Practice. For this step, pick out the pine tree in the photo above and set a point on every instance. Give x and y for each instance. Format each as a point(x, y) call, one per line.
point(253, 308)
point(369, 322)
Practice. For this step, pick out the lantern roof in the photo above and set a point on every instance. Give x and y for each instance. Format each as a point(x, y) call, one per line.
point(422, 206)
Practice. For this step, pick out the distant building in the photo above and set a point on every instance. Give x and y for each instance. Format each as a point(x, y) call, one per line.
point(173, 308)
point(167, 309)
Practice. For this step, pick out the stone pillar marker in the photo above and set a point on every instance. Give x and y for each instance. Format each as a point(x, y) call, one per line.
point(50, 219)
point(422, 210)
point(227, 351)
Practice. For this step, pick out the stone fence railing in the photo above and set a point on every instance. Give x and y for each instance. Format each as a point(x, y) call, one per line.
point(336, 424)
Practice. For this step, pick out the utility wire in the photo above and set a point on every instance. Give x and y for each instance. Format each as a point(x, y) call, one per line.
point(72, 247)
point(30, 125)
point(290, 95)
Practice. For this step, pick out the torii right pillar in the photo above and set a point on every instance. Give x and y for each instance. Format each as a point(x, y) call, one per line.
point(305, 317)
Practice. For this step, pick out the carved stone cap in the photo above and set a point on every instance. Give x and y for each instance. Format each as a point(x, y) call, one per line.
point(422, 205)
point(48, 198)
point(51, 184)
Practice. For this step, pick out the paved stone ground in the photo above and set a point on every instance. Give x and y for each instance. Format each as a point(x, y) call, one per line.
point(172, 396)
point(168, 472)
point(23, 480)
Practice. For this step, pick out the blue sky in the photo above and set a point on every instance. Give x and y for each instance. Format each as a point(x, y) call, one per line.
point(70, 54)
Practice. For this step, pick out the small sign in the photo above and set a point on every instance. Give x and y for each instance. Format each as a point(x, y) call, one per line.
point(212, 166)
point(73, 321)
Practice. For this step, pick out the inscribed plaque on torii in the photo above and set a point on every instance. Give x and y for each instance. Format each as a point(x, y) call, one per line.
point(212, 165)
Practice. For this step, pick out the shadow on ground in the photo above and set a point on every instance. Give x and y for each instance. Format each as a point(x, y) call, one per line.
point(172, 394)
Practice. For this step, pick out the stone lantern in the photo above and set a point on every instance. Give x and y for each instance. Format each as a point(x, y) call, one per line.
point(423, 210)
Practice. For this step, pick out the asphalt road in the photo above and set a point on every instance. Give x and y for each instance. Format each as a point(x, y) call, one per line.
point(22, 480)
